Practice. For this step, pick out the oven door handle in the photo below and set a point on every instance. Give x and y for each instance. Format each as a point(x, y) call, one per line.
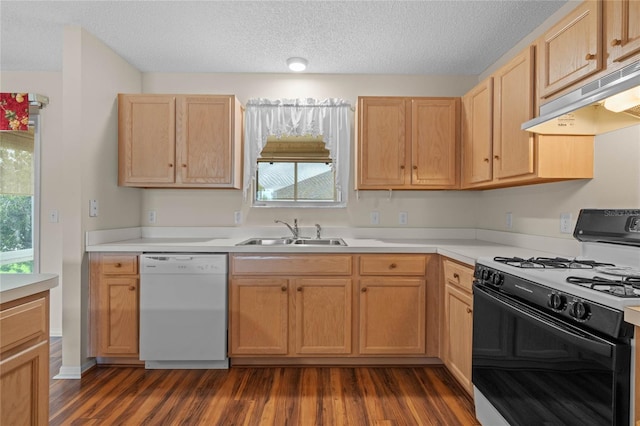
point(582, 340)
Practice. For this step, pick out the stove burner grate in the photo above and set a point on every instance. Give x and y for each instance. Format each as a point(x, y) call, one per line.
point(550, 262)
point(624, 287)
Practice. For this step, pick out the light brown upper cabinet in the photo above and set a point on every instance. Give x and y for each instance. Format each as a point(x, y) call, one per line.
point(571, 50)
point(497, 153)
point(622, 31)
point(513, 105)
point(408, 143)
point(173, 141)
point(477, 134)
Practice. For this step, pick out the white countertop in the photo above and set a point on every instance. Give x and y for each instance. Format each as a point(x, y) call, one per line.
point(463, 250)
point(16, 286)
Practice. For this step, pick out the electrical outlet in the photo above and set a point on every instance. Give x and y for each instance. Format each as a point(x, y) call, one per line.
point(508, 222)
point(403, 218)
point(565, 223)
point(93, 208)
point(374, 218)
point(151, 218)
point(53, 216)
point(237, 217)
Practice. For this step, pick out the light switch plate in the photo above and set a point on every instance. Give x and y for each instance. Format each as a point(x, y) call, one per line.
point(53, 216)
point(508, 221)
point(151, 218)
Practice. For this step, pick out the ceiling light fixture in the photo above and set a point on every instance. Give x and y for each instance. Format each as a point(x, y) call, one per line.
point(297, 64)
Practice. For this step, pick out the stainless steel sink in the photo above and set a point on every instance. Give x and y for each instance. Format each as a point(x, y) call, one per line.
point(321, 242)
point(292, 242)
point(266, 242)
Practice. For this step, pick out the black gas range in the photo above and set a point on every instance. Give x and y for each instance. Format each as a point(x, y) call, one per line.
point(550, 345)
point(583, 292)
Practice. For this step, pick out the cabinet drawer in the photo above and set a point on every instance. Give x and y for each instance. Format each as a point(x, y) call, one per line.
point(23, 323)
point(384, 264)
point(306, 264)
point(458, 275)
point(119, 264)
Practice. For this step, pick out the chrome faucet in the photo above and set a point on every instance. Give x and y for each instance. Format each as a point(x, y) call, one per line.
point(294, 230)
point(318, 229)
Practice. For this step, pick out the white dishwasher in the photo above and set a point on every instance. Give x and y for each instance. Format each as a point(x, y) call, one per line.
point(183, 311)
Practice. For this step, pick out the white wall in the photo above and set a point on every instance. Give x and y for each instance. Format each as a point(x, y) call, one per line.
point(536, 209)
point(92, 76)
point(215, 207)
point(51, 168)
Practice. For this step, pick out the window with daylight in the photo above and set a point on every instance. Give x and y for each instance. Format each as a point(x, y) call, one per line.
point(297, 152)
point(18, 155)
point(295, 169)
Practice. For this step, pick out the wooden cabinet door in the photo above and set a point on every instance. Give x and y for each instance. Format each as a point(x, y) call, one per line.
point(622, 33)
point(146, 139)
point(118, 312)
point(434, 142)
point(322, 311)
point(571, 50)
point(382, 143)
point(513, 105)
point(392, 316)
point(259, 316)
point(204, 140)
point(459, 332)
point(477, 134)
point(24, 387)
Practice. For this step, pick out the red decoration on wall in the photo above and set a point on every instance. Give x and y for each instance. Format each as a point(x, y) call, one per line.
point(14, 108)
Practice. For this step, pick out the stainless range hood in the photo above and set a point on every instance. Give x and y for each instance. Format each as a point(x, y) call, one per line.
point(609, 103)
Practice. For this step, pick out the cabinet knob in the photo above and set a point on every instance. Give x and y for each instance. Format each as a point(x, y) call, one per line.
point(170, 165)
point(402, 167)
point(590, 57)
point(497, 157)
point(616, 42)
point(415, 167)
point(486, 160)
point(393, 266)
point(469, 310)
point(184, 165)
point(456, 276)
point(132, 287)
point(364, 289)
point(283, 288)
point(118, 265)
point(299, 289)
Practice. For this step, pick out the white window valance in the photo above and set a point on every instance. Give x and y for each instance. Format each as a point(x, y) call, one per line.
point(299, 117)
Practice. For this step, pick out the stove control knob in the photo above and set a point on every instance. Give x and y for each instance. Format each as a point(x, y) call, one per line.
point(497, 279)
point(485, 274)
point(579, 311)
point(557, 302)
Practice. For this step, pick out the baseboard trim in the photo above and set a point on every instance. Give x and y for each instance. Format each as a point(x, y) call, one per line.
point(74, 372)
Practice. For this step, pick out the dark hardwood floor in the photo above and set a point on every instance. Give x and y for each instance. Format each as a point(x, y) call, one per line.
point(259, 396)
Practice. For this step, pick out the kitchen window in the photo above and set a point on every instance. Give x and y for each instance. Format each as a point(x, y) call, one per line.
point(295, 170)
point(297, 152)
point(18, 200)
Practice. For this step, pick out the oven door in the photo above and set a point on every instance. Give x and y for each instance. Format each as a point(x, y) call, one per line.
point(535, 369)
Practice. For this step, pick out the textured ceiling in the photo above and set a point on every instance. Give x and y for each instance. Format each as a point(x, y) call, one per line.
point(341, 37)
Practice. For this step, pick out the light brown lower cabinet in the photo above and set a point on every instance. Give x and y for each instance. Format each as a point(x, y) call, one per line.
point(114, 304)
point(392, 316)
point(302, 309)
point(327, 305)
point(458, 321)
point(24, 361)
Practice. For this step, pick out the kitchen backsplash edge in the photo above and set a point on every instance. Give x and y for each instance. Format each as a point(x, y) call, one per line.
point(564, 246)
